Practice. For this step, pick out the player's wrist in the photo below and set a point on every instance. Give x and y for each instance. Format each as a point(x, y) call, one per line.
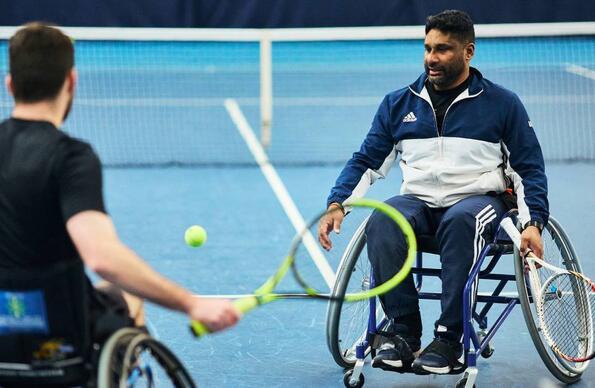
point(534, 223)
point(336, 205)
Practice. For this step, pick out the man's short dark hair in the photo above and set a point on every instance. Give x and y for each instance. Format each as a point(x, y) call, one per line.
point(456, 23)
point(41, 57)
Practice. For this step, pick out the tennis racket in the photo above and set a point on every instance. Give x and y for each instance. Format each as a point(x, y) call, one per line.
point(563, 301)
point(299, 258)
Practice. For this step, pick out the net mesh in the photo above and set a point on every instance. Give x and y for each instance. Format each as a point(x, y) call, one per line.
point(157, 103)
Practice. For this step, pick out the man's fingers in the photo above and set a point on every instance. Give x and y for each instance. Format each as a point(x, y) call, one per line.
point(524, 249)
point(337, 225)
point(323, 231)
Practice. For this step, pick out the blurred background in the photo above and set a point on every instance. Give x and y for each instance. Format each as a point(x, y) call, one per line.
point(169, 89)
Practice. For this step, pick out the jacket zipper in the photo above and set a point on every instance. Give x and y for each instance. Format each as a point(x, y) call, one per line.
point(440, 137)
point(447, 109)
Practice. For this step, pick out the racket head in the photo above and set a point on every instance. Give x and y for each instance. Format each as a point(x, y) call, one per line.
point(559, 256)
point(301, 249)
point(566, 314)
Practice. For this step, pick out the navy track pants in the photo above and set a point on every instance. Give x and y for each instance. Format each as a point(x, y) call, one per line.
point(461, 231)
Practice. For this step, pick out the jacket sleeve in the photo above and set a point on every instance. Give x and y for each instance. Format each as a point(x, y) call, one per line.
point(373, 160)
point(526, 162)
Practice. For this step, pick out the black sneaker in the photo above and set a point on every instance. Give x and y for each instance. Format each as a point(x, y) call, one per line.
point(395, 354)
point(442, 356)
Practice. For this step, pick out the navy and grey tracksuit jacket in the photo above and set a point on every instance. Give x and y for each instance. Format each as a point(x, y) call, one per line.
point(487, 142)
point(487, 139)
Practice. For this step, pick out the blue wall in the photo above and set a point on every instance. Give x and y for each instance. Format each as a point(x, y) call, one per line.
point(283, 13)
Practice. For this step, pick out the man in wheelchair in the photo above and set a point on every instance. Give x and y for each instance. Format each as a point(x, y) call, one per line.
point(52, 215)
point(464, 144)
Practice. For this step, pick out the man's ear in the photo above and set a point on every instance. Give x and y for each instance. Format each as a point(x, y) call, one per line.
point(8, 83)
point(72, 80)
point(469, 51)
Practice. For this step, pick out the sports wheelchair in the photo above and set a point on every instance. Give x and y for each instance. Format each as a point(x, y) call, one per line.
point(45, 338)
point(353, 330)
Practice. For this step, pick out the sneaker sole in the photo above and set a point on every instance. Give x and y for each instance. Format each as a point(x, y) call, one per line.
point(394, 364)
point(390, 368)
point(440, 371)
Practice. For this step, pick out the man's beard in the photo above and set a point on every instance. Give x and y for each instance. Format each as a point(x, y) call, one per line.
point(450, 73)
point(68, 107)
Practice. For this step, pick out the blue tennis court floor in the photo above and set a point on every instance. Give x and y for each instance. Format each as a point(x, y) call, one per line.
point(283, 344)
point(154, 103)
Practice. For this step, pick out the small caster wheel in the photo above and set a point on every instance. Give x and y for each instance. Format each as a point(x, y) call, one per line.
point(488, 350)
point(462, 382)
point(355, 384)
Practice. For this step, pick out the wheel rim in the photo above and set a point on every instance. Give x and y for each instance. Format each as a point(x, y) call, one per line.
point(347, 322)
point(353, 322)
point(558, 251)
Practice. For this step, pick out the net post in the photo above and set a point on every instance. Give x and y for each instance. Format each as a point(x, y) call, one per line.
point(266, 89)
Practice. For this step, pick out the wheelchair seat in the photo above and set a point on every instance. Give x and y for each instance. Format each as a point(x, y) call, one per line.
point(44, 330)
point(46, 340)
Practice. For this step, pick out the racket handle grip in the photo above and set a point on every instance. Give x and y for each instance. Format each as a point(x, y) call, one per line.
point(198, 329)
point(512, 231)
point(243, 305)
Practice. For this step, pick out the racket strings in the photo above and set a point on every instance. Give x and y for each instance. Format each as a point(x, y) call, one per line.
point(566, 314)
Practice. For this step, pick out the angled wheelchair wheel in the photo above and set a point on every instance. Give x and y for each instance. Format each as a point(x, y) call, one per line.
point(559, 251)
point(347, 323)
point(132, 358)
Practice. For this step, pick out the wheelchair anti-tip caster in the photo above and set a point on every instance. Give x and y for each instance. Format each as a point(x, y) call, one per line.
point(488, 350)
point(353, 383)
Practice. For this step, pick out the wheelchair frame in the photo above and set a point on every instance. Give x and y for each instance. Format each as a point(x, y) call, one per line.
point(481, 339)
point(114, 365)
point(59, 350)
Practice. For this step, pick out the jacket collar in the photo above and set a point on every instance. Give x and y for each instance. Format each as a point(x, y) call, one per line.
point(475, 86)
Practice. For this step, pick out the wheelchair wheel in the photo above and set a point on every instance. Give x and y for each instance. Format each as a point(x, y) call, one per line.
point(558, 250)
point(347, 323)
point(133, 358)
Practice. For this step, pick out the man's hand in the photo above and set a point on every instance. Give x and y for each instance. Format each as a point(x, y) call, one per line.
point(215, 314)
point(331, 221)
point(531, 240)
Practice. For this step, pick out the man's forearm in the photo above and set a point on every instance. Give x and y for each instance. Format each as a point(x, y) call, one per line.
point(121, 266)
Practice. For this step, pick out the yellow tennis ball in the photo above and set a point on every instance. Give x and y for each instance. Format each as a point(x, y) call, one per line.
point(195, 236)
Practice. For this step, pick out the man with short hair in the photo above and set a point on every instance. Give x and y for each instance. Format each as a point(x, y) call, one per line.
point(464, 142)
point(51, 200)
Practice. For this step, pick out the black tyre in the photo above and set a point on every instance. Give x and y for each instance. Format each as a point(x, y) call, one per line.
point(347, 323)
point(558, 251)
point(347, 380)
point(133, 353)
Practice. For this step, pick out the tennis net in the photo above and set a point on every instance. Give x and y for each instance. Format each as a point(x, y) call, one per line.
point(154, 97)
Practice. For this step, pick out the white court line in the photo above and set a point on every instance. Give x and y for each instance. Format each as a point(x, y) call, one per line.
point(580, 70)
point(279, 189)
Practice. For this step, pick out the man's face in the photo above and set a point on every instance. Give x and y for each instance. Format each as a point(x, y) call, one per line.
point(445, 59)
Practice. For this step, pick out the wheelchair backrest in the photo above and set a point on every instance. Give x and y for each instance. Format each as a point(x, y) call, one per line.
point(44, 330)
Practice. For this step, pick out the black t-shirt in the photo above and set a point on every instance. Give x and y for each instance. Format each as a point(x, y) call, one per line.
point(441, 99)
point(46, 177)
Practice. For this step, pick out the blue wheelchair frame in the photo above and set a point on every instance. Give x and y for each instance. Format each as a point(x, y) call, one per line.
point(494, 249)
